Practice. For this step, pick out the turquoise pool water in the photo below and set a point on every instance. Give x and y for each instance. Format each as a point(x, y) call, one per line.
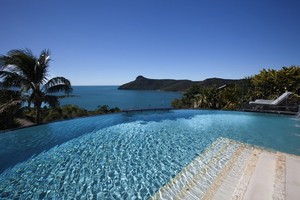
point(126, 155)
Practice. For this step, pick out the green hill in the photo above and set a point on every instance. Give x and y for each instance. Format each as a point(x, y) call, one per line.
point(142, 83)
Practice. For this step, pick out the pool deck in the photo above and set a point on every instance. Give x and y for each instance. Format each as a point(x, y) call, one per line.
point(233, 170)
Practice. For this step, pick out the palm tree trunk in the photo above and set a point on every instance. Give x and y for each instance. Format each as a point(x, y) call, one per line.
point(37, 106)
point(38, 114)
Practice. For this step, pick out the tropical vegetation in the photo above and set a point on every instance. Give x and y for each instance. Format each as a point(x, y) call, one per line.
point(22, 70)
point(271, 83)
point(50, 114)
point(268, 84)
point(10, 105)
point(27, 92)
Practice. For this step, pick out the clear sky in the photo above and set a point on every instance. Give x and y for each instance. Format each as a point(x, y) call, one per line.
point(110, 42)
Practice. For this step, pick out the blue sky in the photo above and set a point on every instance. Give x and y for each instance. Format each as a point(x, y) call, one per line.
point(110, 42)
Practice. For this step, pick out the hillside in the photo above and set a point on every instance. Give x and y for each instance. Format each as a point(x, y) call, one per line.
point(142, 83)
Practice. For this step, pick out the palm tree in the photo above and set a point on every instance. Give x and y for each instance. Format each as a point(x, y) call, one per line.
point(10, 106)
point(20, 68)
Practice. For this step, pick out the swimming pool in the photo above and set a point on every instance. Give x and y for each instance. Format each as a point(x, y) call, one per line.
point(126, 155)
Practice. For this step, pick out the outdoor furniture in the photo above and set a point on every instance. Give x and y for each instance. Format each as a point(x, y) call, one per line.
point(271, 102)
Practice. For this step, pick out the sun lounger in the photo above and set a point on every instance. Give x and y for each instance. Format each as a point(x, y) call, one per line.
point(272, 102)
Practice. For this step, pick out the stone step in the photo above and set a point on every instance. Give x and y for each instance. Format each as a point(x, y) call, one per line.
point(198, 169)
point(263, 178)
point(215, 175)
point(292, 177)
point(231, 184)
point(233, 170)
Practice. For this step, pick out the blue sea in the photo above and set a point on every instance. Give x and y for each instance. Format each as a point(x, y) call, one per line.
point(90, 97)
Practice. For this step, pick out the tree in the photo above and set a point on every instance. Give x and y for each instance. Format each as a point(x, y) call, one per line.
point(206, 98)
point(10, 106)
point(105, 109)
point(21, 69)
point(270, 84)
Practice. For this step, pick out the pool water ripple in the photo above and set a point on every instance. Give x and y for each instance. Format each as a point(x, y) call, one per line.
point(119, 162)
point(134, 159)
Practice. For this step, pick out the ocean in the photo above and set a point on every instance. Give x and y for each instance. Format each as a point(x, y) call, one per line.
point(90, 97)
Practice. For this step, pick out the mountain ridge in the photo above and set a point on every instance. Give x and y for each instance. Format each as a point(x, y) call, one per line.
point(143, 83)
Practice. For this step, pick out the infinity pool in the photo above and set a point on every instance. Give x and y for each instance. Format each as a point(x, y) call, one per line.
point(126, 155)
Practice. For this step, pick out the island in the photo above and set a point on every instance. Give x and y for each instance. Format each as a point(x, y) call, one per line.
point(142, 83)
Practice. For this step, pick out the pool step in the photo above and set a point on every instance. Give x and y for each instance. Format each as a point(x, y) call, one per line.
point(233, 170)
point(188, 176)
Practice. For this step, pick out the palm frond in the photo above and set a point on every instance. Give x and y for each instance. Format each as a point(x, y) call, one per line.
point(60, 88)
point(12, 79)
point(30, 99)
point(3, 61)
point(42, 66)
point(7, 95)
point(26, 51)
point(45, 57)
point(24, 62)
point(8, 99)
point(51, 100)
point(58, 84)
point(9, 104)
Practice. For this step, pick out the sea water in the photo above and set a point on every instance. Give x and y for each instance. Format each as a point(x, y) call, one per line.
point(90, 97)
